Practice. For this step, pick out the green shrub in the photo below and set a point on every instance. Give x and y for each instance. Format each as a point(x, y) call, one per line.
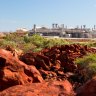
point(14, 37)
point(90, 43)
point(28, 47)
point(92, 69)
point(5, 43)
point(10, 37)
point(37, 49)
point(54, 42)
point(35, 39)
point(88, 65)
point(27, 43)
point(86, 60)
point(26, 39)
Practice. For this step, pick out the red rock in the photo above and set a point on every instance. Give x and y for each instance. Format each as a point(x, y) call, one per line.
point(56, 58)
point(56, 88)
point(88, 89)
point(57, 64)
point(14, 72)
point(43, 62)
point(29, 58)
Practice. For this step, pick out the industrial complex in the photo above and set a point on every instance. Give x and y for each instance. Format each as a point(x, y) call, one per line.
point(62, 31)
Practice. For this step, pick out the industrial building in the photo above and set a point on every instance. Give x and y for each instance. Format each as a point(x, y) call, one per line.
point(62, 31)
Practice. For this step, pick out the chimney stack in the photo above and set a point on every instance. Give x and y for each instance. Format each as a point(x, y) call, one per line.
point(84, 26)
point(56, 25)
point(81, 26)
point(34, 27)
point(53, 26)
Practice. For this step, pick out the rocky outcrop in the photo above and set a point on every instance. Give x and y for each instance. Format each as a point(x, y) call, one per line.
point(88, 89)
point(56, 61)
point(14, 72)
point(51, 72)
point(51, 88)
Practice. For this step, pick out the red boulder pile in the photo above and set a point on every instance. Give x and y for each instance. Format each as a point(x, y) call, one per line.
point(51, 72)
point(56, 62)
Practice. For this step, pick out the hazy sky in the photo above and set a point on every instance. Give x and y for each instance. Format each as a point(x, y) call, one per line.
point(24, 13)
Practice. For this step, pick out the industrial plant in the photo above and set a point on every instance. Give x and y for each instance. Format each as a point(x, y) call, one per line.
point(63, 31)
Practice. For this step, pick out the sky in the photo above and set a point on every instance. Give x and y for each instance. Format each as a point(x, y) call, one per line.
point(24, 13)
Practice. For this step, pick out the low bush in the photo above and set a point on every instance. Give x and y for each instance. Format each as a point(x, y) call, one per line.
point(54, 42)
point(87, 64)
point(28, 47)
point(42, 42)
point(4, 43)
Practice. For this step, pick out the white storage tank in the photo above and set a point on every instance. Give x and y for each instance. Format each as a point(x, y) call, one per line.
point(68, 35)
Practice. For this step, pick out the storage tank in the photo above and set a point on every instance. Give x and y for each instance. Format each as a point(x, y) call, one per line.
point(68, 35)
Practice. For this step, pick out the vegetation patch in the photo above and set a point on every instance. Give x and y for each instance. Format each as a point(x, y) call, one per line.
point(87, 65)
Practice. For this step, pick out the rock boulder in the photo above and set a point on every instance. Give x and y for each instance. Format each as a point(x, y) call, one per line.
point(52, 88)
point(14, 72)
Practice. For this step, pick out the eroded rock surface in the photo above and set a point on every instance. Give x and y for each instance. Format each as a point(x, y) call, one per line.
point(46, 73)
point(88, 89)
point(14, 72)
point(55, 62)
point(57, 88)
